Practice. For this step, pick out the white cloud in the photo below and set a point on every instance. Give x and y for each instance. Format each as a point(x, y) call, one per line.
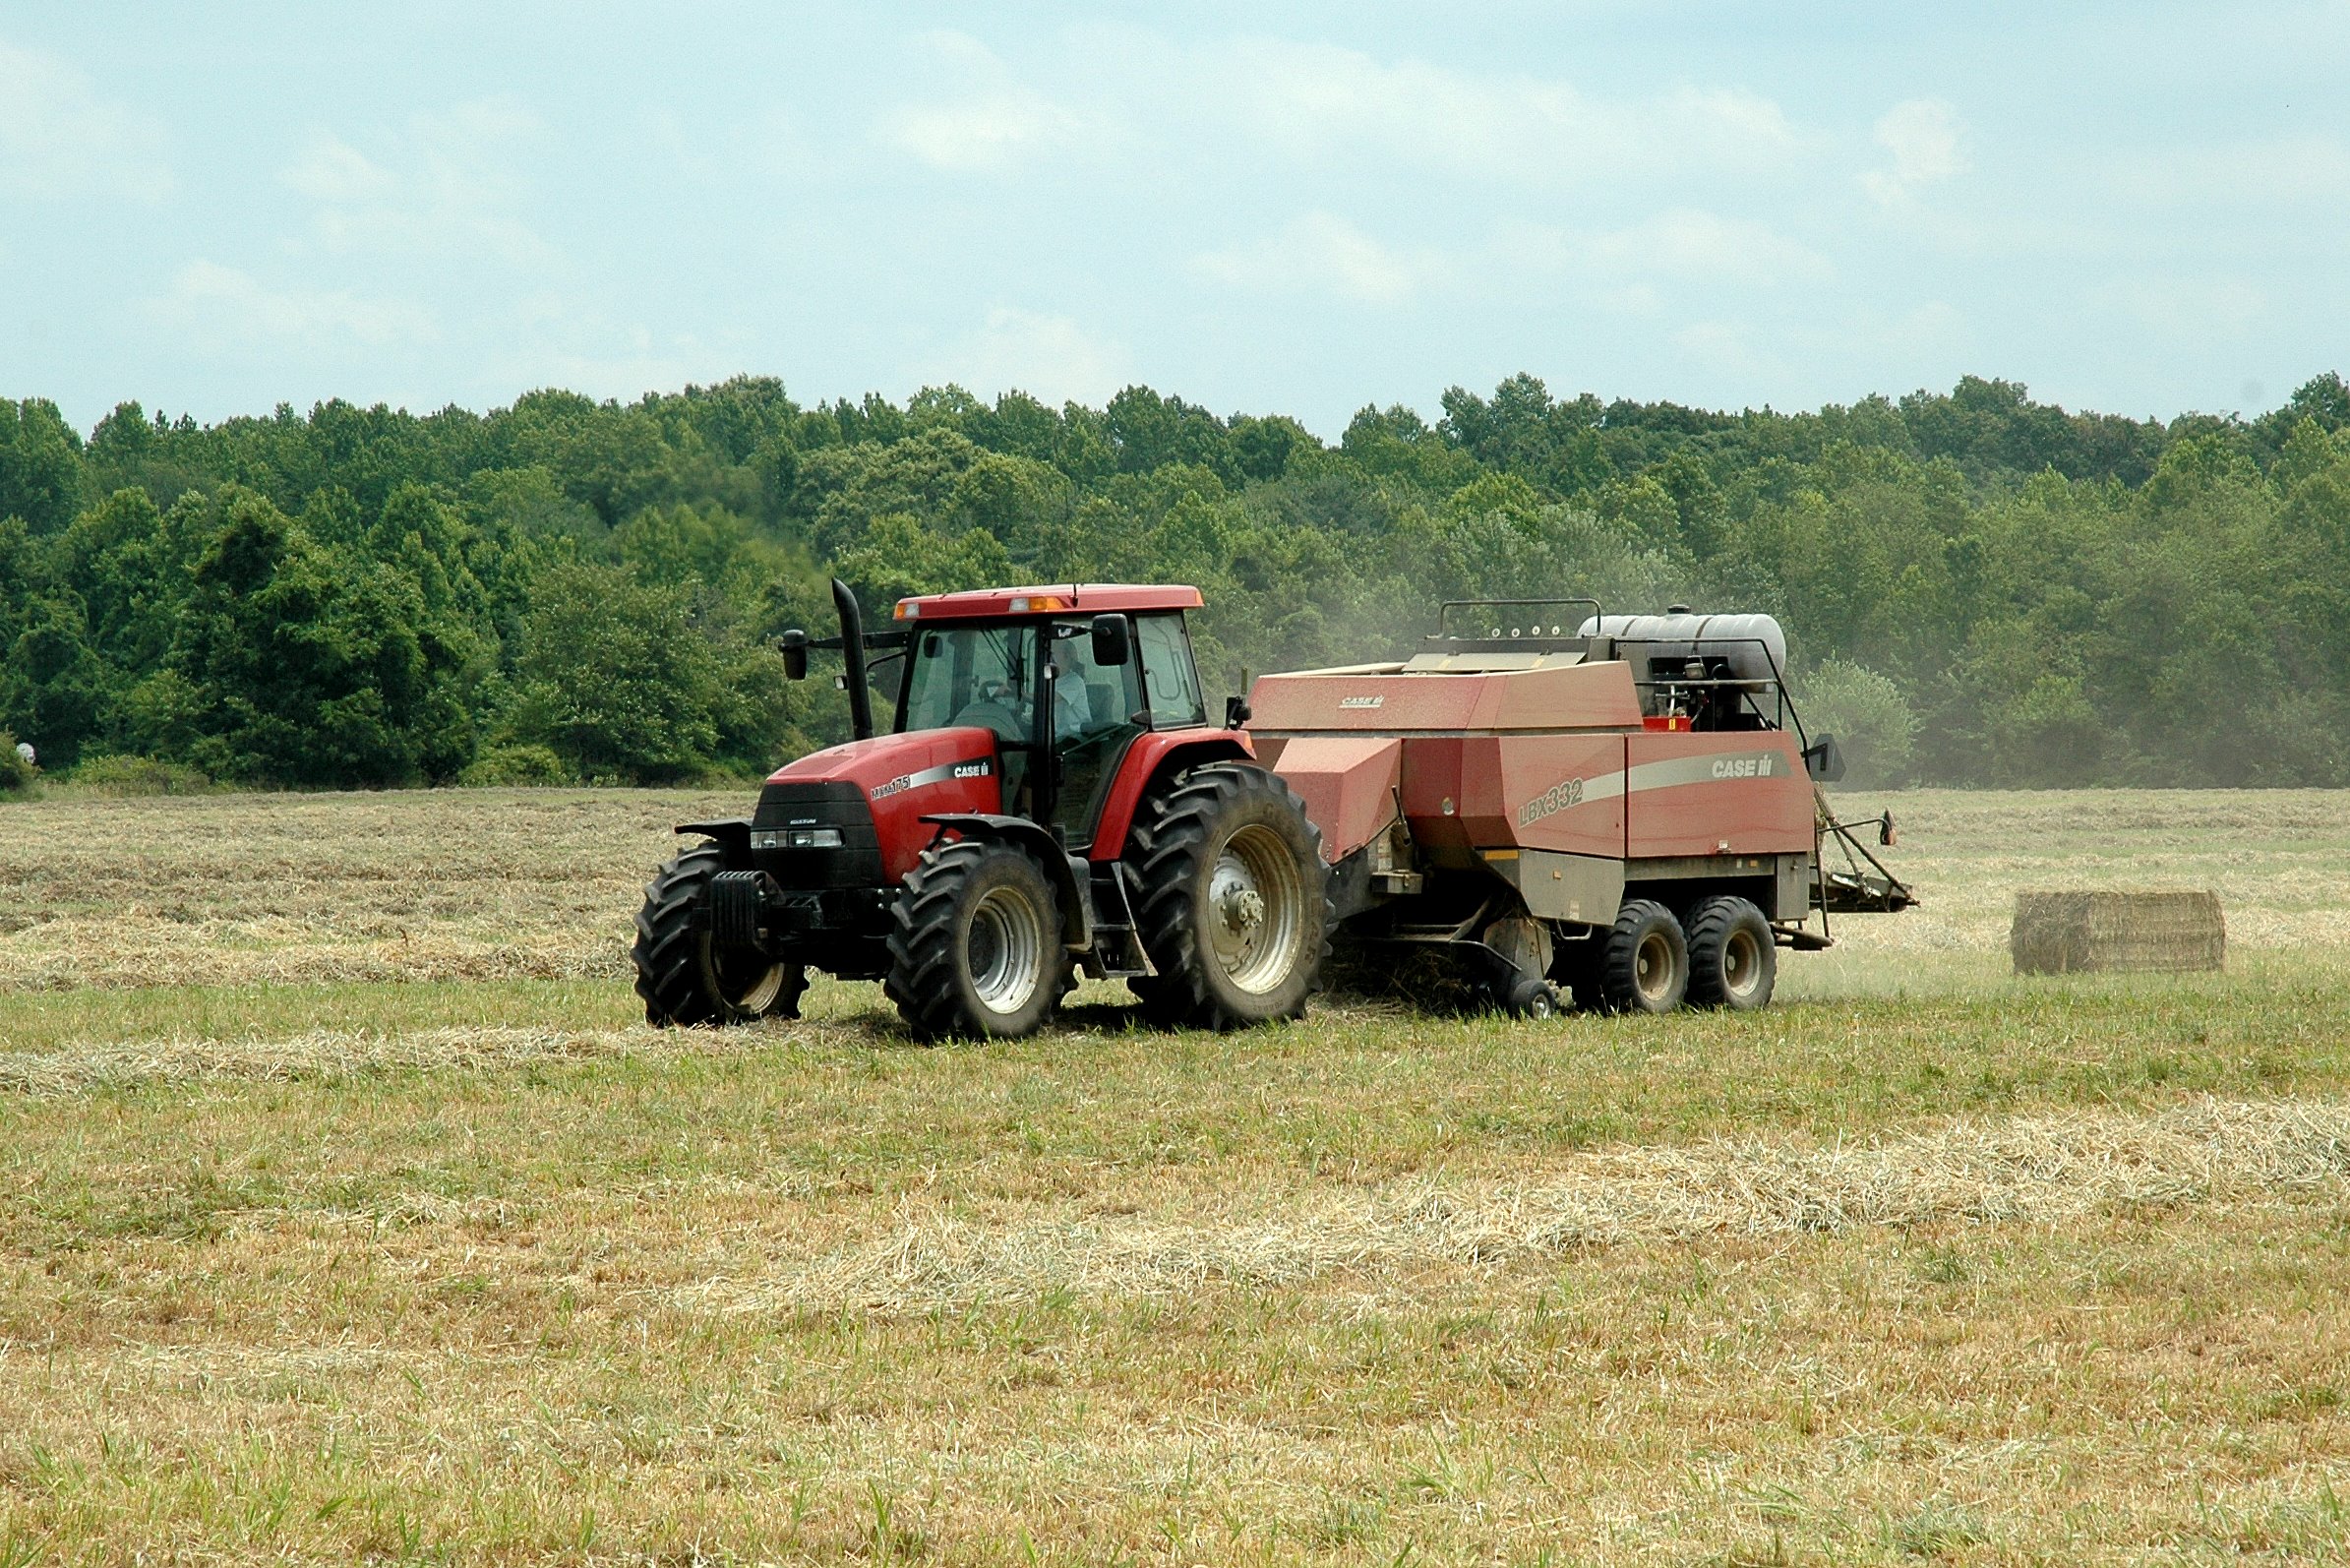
point(1322, 252)
point(1620, 269)
point(1682, 244)
point(1726, 347)
point(552, 339)
point(332, 170)
point(1318, 99)
point(1925, 138)
point(1935, 327)
point(222, 308)
point(2289, 170)
point(1050, 357)
point(1929, 334)
point(1707, 248)
point(990, 122)
point(444, 189)
point(1317, 103)
point(766, 143)
point(2218, 308)
point(59, 138)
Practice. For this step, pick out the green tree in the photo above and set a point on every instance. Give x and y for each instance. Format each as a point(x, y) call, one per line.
point(43, 477)
point(301, 666)
point(616, 679)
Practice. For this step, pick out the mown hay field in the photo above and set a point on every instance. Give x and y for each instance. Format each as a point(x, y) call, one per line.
point(347, 1210)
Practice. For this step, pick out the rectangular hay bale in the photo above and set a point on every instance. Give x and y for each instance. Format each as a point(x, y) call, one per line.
point(2060, 932)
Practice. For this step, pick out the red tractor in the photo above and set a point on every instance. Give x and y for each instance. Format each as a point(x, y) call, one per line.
point(1051, 798)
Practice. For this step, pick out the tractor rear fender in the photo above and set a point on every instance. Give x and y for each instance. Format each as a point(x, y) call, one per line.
point(733, 839)
point(1151, 760)
point(1076, 908)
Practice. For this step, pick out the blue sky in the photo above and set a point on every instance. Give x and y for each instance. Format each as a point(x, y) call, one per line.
point(1301, 209)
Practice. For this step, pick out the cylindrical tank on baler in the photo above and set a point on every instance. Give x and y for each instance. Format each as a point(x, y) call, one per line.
point(1752, 647)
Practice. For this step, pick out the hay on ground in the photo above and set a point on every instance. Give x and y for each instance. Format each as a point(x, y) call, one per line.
point(2036, 1169)
point(2059, 932)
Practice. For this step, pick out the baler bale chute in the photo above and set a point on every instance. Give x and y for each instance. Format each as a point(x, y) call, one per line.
point(1623, 808)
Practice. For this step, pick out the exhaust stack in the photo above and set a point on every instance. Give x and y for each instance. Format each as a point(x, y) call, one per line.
point(852, 649)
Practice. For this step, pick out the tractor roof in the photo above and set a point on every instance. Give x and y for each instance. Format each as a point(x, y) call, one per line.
point(1061, 598)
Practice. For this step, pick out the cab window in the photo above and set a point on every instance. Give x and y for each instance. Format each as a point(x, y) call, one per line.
point(971, 675)
point(1171, 681)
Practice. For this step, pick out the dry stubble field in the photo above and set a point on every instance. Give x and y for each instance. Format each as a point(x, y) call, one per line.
point(346, 1210)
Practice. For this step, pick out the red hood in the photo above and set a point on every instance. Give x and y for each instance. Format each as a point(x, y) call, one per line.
point(869, 764)
point(907, 777)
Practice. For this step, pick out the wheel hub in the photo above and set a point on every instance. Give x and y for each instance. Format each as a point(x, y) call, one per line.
point(1255, 917)
point(1006, 951)
point(1238, 904)
point(744, 980)
point(1653, 966)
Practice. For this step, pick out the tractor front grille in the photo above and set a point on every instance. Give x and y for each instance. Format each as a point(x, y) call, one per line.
point(815, 837)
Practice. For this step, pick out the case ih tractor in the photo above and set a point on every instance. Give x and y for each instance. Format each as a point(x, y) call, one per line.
point(1619, 806)
point(1051, 797)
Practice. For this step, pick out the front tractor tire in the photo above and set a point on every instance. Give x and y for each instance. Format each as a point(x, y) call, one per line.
point(1234, 905)
point(975, 943)
point(684, 976)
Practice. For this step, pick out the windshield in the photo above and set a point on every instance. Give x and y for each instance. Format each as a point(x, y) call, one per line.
point(979, 675)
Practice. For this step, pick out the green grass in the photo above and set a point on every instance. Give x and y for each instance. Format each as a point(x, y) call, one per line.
point(304, 1262)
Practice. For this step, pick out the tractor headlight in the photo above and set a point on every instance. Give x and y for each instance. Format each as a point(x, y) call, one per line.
point(796, 838)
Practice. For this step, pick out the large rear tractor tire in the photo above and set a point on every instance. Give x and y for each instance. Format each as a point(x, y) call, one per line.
point(684, 976)
point(1644, 966)
point(975, 945)
point(1233, 906)
point(1733, 962)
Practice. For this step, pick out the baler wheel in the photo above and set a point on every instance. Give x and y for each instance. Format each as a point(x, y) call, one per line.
point(975, 943)
point(1645, 966)
point(1234, 907)
point(1531, 997)
point(1732, 960)
point(687, 979)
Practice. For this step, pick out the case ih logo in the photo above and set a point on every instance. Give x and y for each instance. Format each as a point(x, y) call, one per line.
point(1360, 701)
point(1756, 766)
point(977, 767)
point(1557, 798)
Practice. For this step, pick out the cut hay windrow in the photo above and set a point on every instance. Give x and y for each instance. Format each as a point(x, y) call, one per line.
point(2039, 1170)
point(321, 1053)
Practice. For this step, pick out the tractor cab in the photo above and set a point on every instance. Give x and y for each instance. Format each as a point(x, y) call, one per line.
point(1066, 680)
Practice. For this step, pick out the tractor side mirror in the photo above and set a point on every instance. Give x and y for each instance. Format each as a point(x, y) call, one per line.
point(1114, 642)
point(1824, 760)
point(1236, 712)
point(793, 644)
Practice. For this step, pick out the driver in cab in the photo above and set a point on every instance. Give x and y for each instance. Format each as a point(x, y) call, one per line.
point(997, 707)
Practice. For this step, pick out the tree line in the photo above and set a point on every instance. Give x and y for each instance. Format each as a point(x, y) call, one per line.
point(1978, 588)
